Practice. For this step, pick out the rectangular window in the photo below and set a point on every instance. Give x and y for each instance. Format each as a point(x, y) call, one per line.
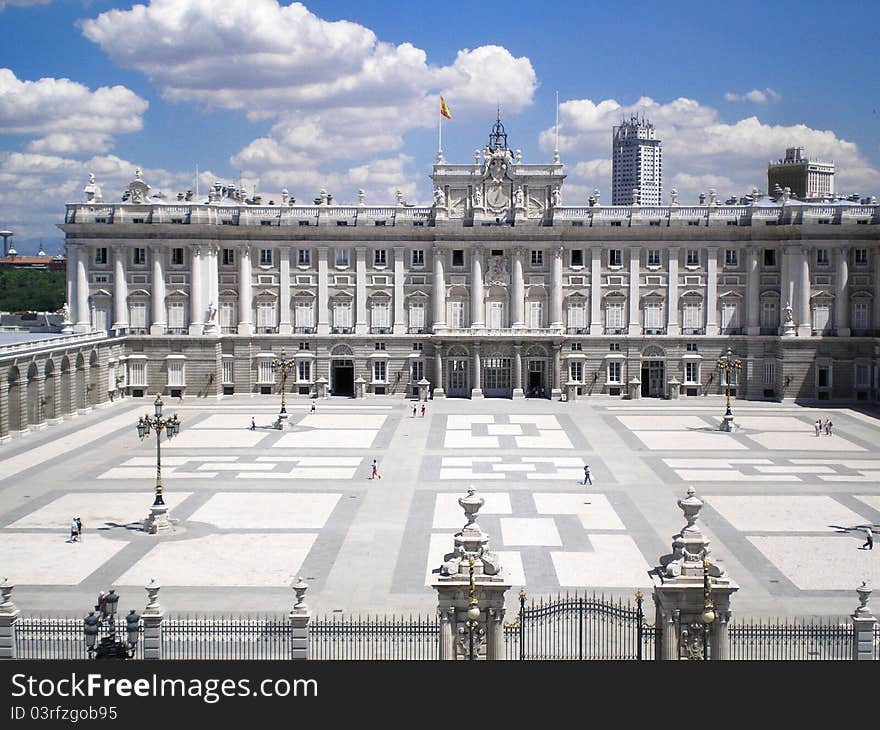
point(576, 315)
point(537, 258)
point(863, 376)
point(691, 317)
point(653, 315)
point(304, 371)
point(303, 257)
point(614, 315)
point(822, 257)
point(379, 346)
point(860, 315)
point(536, 315)
point(341, 257)
point(417, 316)
point(139, 256)
point(100, 256)
point(861, 256)
point(731, 257)
point(265, 372)
point(418, 257)
point(342, 314)
point(416, 371)
point(379, 315)
point(496, 315)
point(228, 370)
point(823, 376)
point(265, 257)
point(615, 257)
point(380, 257)
point(693, 257)
point(177, 257)
point(137, 315)
point(692, 373)
point(577, 257)
point(379, 371)
point(769, 315)
point(418, 346)
point(228, 257)
point(176, 318)
point(769, 374)
point(304, 314)
point(654, 257)
point(821, 317)
point(137, 372)
point(304, 346)
point(576, 372)
point(729, 317)
point(614, 371)
point(458, 257)
point(769, 257)
point(176, 376)
point(265, 316)
point(227, 317)
point(456, 314)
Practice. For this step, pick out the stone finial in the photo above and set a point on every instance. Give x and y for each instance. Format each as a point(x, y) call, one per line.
point(362, 198)
point(691, 507)
point(702, 198)
point(673, 197)
point(635, 192)
point(471, 542)
point(556, 197)
point(299, 587)
point(786, 194)
point(152, 588)
point(713, 197)
point(285, 196)
point(138, 175)
point(864, 591)
point(6, 605)
point(476, 157)
point(471, 504)
point(399, 196)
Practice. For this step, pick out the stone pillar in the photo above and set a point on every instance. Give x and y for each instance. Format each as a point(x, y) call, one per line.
point(438, 371)
point(863, 626)
point(517, 371)
point(517, 291)
point(470, 593)
point(9, 614)
point(212, 326)
point(753, 304)
point(323, 301)
point(477, 385)
point(596, 327)
point(556, 288)
point(120, 290)
point(299, 617)
point(712, 290)
point(284, 325)
point(841, 292)
point(360, 265)
point(157, 291)
point(804, 328)
point(70, 273)
point(153, 616)
point(556, 390)
point(399, 327)
point(673, 327)
point(439, 293)
point(571, 390)
point(785, 296)
point(478, 304)
point(360, 388)
point(196, 294)
point(692, 594)
point(245, 292)
point(635, 327)
point(83, 318)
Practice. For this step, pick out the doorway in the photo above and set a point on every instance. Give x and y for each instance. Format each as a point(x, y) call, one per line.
point(536, 386)
point(653, 372)
point(342, 375)
point(457, 369)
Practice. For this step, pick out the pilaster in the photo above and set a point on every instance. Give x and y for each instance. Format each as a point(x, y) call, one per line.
point(478, 305)
point(712, 290)
point(83, 321)
point(841, 292)
point(635, 326)
point(753, 306)
point(596, 290)
point(804, 327)
point(672, 324)
point(196, 296)
point(245, 292)
point(284, 324)
point(477, 385)
point(120, 289)
point(360, 324)
point(438, 295)
point(517, 290)
point(399, 325)
point(323, 303)
point(556, 288)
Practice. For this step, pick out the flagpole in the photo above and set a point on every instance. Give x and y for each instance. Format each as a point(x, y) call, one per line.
point(556, 148)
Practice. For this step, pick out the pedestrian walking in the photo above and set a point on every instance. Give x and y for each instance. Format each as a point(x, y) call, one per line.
point(588, 478)
point(79, 528)
point(829, 427)
point(869, 539)
point(414, 410)
point(253, 424)
point(73, 529)
point(313, 408)
point(818, 425)
point(375, 470)
point(423, 410)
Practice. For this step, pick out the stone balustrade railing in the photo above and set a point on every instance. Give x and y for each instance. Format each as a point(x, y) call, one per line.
point(51, 343)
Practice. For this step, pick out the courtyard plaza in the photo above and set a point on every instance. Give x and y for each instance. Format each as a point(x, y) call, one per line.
point(785, 510)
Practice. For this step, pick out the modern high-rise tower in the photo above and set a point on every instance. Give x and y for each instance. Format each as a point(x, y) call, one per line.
point(809, 179)
point(636, 163)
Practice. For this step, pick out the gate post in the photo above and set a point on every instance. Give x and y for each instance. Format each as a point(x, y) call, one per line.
point(863, 626)
point(299, 617)
point(470, 587)
point(9, 614)
point(153, 616)
point(692, 595)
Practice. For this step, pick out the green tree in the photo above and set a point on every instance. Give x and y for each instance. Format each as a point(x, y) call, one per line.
point(31, 290)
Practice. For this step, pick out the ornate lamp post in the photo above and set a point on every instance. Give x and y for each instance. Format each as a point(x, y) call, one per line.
point(708, 615)
point(729, 365)
point(473, 613)
point(158, 521)
point(284, 364)
point(109, 647)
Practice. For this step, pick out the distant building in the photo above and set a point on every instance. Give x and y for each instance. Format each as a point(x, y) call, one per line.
point(56, 263)
point(808, 179)
point(636, 160)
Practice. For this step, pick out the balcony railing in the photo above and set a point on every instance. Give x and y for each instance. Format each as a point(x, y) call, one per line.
point(177, 331)
point(578, 330)
point(417, 330)
point(693, 331)
point(655, 330)
point(770, 330)
point(228, 330)
point(380, 330)
point(267, 330)
point(304, 330)
point(342, 330)
point(138, 330)
point(614, 330)
point(731, 330)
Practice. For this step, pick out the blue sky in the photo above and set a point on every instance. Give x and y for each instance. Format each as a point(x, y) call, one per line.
point(344, 95)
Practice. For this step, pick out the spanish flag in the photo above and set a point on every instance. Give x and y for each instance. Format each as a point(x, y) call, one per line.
point(444, 110)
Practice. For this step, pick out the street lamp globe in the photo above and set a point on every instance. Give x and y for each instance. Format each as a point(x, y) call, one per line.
point(708, 614)
point(473, 612)
point(158, 406)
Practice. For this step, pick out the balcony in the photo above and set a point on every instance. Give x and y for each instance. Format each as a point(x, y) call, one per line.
point(655, 331)
point(380, 330)
point(177, 331)
point(578, 330)
point(304, 330)
point(417, 330)
point(228, 330)
point(615, 330)
point(138, 330)
point(693, 331)
point(342, 330)
point(267, 330)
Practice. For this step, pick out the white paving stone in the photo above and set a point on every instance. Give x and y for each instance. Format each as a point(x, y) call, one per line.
point(468, 460)
point(449, 514)
point(464, 440)
point(832, 563)
point(868, 477)
point(504, 429)
point(662, 423)
point(563, 475)
point(238, 421)
point(513, 467)
point(267, 510)
point(731, 475)
point(253, 560)
point(774, 423)
point(348, 439)
point(41, 559)
point(795, 513)
point(235, 467)
point(615, 563)
point(516, 531)
point(355, 421)
point(214, 439)
point(860, 464)
point(710, 463)
point(542, 422)
point(303, 473)
point(802, 441)
point(97, 509)
point(135, 472)
point(795, 469)
point(872, 500)
point(693, 440)
point(313, 460)
point(593, 510)
point(469, 474)
point(556, 460)
point(441, 544)
point(464, 422)
point(545, 440)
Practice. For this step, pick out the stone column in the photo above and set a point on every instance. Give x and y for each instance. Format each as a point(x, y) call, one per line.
point(323, 303)
point(712, 290)
point(804, 328)
point(635, 327)
point(841, 292)
point(477, 385)
point(245, 292)
point(556, 288)
point(70, 273)
point(83, 318)
point(478, 305)
point(153, 616)
point(556, 390)
point(438, 294)
point(596, 326)
point(120, 289)
point(212, 326)
point(399, 327)
point(673, 327)
point(284, 325)
point(517, 290)
point(299, 617)
point(785, 296)
point(517, 371)
point(4, 411)
point(196, 295)
point(157, 291)
point(438, 371)
point(360, 324)
point(863, 626)
point(753, 305)
point(9, 614)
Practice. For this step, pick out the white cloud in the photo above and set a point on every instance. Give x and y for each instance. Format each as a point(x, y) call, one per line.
point(67, 116)
point(756, 96)
point(699, 149)
point(22, 3)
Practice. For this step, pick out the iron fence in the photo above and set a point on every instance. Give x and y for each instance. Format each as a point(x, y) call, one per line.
point(378, 637)
point(234, 637)
point(39, 637)
point(793, 639)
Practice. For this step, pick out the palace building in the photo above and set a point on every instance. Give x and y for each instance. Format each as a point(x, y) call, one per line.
point(498, 289)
